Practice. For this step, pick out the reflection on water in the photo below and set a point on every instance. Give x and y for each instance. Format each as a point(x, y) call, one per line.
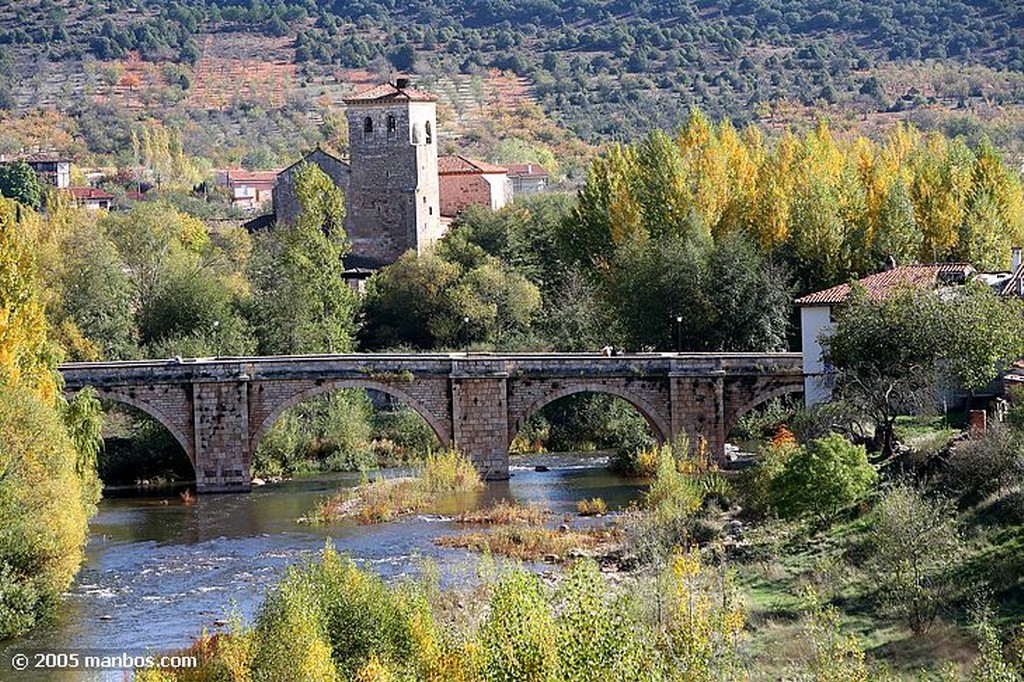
point(158, 571)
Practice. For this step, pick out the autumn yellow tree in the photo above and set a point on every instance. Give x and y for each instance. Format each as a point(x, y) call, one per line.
point(48, 484)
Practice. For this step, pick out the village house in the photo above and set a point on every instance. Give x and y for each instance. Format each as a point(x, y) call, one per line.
point(51, 170)
point(816, 308)
point(527, 178)
point(90, 198)
point(466, 182)
point(816, 312)
point(249, 190)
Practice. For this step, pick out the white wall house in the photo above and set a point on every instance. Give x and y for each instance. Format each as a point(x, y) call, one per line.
point(816, 313)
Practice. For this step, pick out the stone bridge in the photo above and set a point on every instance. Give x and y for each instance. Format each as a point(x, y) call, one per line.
point(219, 409)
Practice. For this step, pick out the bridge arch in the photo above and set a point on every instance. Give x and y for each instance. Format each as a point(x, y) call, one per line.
point(657, 422)
point(440, 430)
point(760, 398)
point(156, 413)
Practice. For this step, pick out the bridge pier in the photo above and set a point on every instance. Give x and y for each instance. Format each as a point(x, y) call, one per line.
point(480, 414)
point(220, 412)
point(697, 405)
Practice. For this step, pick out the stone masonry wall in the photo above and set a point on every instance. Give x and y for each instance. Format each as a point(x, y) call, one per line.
point(221, 416)
point(460, 190)
point(218, 409)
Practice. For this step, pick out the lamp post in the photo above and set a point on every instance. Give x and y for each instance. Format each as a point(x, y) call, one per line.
point(216, 337)
point(679, 333)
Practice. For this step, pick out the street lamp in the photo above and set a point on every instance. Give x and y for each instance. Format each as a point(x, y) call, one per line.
point(216, 337)
point(679, 333)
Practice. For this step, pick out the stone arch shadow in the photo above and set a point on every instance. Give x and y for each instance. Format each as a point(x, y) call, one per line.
point(733, 416)
point(440, 429)
point(657, 422)
point(175, 430)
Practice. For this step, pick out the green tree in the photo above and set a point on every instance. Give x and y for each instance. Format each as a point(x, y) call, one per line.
point(449, 297)
point(821, 478)
point(19, 182)
point(302, 303)
point(891, 356)
point(915, 546)
point(48, 485)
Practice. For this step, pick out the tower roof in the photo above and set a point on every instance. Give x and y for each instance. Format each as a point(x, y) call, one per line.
point(388, 92)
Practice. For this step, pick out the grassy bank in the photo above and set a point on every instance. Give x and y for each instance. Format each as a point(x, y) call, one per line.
point(385, 499)
point(863, 576)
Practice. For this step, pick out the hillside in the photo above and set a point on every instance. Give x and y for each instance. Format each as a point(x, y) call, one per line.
point(600, 68)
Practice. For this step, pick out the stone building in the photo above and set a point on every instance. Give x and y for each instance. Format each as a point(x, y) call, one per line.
point(286, 204)
point(465, 182)
point(393, 198)
point(390, 182)
point(528, 178)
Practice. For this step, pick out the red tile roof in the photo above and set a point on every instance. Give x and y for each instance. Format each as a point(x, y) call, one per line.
point(244, 177)
point(386, 92)
point(83, 193)
point(527, 170)
point(455, 164)
point(882, 284)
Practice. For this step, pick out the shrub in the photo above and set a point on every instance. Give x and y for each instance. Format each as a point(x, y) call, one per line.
point(702, 618)
point(596, 639)
point(328, 620)
point(449, 471)
point(518, 639)
point(836, 657)
point(505, 513)
point(636, 463)
point(915, 545)
point(593, 507)
point(387, 498)
point(758, 482)
point(822, 478)
point(980, 466)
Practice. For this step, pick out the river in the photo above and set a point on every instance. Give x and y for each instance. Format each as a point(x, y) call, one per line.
point(158, 571)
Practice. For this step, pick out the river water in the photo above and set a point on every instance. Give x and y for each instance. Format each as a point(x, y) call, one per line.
point(158, 571)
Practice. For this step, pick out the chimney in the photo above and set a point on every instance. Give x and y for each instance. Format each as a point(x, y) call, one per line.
point(1015, 258)
point(401, 83)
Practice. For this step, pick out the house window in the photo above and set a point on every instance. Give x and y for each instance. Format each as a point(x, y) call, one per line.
point(430, 136)
point(367, 126)
point(392, 125)
point(416, 133)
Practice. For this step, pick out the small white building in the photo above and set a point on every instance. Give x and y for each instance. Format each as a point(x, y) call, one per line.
point(528, 178)
point(816, 313)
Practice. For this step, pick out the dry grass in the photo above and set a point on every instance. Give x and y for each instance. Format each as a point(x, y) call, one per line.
point(592, 507)
point(386, 499)
point(530, 544)
point(505, 513)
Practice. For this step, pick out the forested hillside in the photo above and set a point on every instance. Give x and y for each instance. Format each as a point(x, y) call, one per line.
point(220, 70)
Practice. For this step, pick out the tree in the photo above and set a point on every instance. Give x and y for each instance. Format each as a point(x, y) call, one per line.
point(48, 485)
point(449, 297)
point(821, 478)
point(302, 303)
point(915, 545)
point(890, 357)
point(19, 182)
